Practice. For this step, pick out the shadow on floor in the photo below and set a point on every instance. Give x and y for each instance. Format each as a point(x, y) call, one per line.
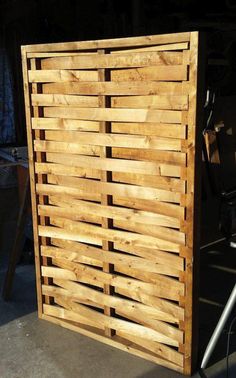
point(23, 300)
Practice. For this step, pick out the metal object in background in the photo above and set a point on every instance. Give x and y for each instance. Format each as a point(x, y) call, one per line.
point(219, 328)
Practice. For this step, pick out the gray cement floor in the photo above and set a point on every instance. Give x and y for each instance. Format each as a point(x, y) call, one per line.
point(33, 348)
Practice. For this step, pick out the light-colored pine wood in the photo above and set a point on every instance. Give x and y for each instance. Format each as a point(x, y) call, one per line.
point(71, 230)
point(77, 272)
point(111, 43)
point(162, 73)
point(54, 76)
point(120, 115)
point(64, 100)
point(115, 88)
point(113, 158)
point(94, 61)
point(74, 186)
point(166, 47)
point(151, 102)
point(63, 124)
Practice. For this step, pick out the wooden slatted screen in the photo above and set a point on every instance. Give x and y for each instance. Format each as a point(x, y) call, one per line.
point(111, 136)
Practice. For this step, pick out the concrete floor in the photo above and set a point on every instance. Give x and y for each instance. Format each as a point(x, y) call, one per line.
point(33, 348)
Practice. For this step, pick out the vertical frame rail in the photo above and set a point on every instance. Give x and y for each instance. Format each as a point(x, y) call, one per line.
point(106, 176)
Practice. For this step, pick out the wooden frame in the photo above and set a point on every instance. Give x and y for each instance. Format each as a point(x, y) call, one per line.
point(111, 128)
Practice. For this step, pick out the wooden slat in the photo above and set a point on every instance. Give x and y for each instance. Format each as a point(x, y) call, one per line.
point(167, 183)
point(46, 146)
point(173, 158)
point(115, 140)
point(115, 88)
point(166, 233)
point(92, 165)
point(106, 321)
point(76, 185)
point(149, 205)
point(160, 257)
point(67, 164)
point(62, 100)
point(79, 291)
point(83, 207)
point(156, 348)
point(70, 230)
point(54, 76)
point(111, 43)
point(76, 272)
point(165, 47)
point(162, 73)
point(114, 114)
point(158, 163)
point(110, 61)
point(63, 124)
point(151, 102)
point(58, 169)
point(111, 258)
point(114, 235)
point(158, 129)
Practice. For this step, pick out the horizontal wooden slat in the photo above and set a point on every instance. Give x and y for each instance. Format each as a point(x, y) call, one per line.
point(145, 229)
point(68, 315)
point(164, 47)
point(140, 59)
point(80, 194)
point(156, 348)
point(109, 257)
point(92, 186)
point(130, 238)
point(106, 321)
point(58, 169)
point(175, 159)
point(114, 114)
point(74, 230)
point(82, 207)
point(163, 258)
point(79, 291)
point(169, 259)
point(62, 100)
point(46, 146)
point(162, 73)
point(64, 124)
point(151, 102)
point(54, 76)
point(67, 165)
point(110, 43)
point(92, 165)
point(158, 129)
point(68, 213)
point(160, 182)
point(148, 205)
point(115, 88)
point(168, 288)
point(155, 129)
point(114, 140)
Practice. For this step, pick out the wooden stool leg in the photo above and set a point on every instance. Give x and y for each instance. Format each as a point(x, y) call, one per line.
point(16, 250)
